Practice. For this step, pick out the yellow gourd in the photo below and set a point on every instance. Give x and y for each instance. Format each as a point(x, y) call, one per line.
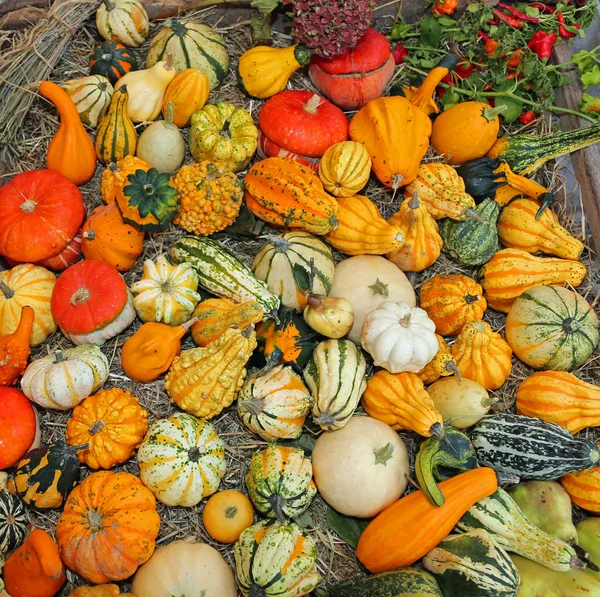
point(442, 364)
point(187, 92)
point(147, 89)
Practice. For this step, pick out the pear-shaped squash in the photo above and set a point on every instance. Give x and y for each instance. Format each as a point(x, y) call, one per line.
point(14, 349)
point(187, 93)
point(116, 136)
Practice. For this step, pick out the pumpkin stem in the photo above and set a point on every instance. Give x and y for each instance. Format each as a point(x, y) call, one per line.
point(97, 427)
point(405, 321)
point(169, 119)
point(489, 401)
point(248, 331)
point(280, 243)
point(109, 5)
point(414, 202)
point(397, 181)
point(81, 296)
point(188, 324)
point(581, 559)
point(437, 431)
point(113, 167)
point(334, 222)
point(312, 104)
point(6, 291)
point(380, 287)
point(169, 65)
point(452, 367)
point(256, 591)
point(490, 113)
point(231, 512)
point(89, 234)
point(314, 301)
point(383, 454)
point(472, 298)
point(75, 449)
point(59, 357)
point(28, 206)
point(94, 520)
point(254, 406)
point(546, 200)
point(195, 453)
point(278, 503)
point(471, 213)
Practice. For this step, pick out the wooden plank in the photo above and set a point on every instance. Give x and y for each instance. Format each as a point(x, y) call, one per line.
point(586, 162)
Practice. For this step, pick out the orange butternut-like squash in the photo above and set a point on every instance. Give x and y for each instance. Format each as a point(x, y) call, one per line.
point(361, 230)
point(71, 151)
point(584, 488)
point(14, 349)
point(442, 364)
point(559, 397)
point(411, 527)
point(511, 272)
point(519, 229)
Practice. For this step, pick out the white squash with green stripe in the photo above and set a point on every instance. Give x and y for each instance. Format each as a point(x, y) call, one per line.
point(283, 263)
point(123, 21)
point(91, 96)
point(221, 273)
point(472, 564)
point(335, 376)
point(192, 45)
point(182, 460)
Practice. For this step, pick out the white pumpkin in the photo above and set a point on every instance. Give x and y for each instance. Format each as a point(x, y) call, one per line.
point(185, 568)
point(91, 96)
point(399, 337)
point(182, 460)
point(124, 21)
point(361, 469)
point(63, 379)
point(367, 281)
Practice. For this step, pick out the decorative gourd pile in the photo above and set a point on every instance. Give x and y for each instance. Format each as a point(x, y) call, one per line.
point(293, 345)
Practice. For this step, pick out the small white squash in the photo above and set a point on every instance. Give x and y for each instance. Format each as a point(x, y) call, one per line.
point(63, 379)
point(399, 338)
point(184, 568)
point(361, 469)
point(161, 145)
point(125, 21)
point(461, 403)
point(367, 281)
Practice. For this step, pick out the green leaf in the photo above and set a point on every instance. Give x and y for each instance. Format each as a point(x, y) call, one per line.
point(473, 7)
point(306, 441)
point(589, 103)
point(304, 520)
point(399, 30)
point(245, 225)
point(347, 528)
point(513, 108)
point(591, 76)
point(431, 32)
point(301, 277)
point(265, 5)
point(450, 98)
point(446, 21)
point(531, 11)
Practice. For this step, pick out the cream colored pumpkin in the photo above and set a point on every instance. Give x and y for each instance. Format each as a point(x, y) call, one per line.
point(399, 338)
point(183, 568)
point(166, 293)
point(91, 96)
point(182, 460)
point(361, 469)
point(63, 379)
point(124, 21)
point(367, 281)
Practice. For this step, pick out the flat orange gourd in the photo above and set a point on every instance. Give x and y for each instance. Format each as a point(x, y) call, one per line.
point(14, 349)
point(584, 489)
point(411, 527)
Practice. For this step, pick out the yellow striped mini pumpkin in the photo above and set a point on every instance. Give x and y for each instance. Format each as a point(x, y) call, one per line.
point(91, 96)
point(345, 168)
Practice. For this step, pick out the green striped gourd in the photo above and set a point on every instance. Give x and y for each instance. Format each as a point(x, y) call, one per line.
point(221, 273)
point(192, 45)
point(531, 448)
point(280, 482)
point(473, 241)
point(406, 582)
point(335, 376)
point(500, 516)
point(472, 564)
point(91, 96)
point(283, 263)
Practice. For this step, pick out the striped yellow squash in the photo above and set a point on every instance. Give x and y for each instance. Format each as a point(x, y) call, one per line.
point(116, 136)
point(345, 168)
point(91, 96)
point(361, 229)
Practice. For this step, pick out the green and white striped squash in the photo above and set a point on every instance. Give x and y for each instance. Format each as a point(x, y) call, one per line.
point(283, 263)
point(182, 460)
point(192, 45)
point(472, 564)
point(14, 521)
point(280, 482)
point(276, 560)
point(91, 96)
point(407, 582)
point(335, 375)
point(221, 273)
point(531, 448)
point(274, 405)
point(500, 516)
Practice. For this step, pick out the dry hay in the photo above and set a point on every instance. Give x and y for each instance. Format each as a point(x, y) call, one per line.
point(336, 560)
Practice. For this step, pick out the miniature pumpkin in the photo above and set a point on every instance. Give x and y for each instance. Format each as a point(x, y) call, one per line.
point(14, 349)
point(442, 364)
point(216, 315)
point(274, 405)
point(43, 207)
point(151, 350)
point(112, 60)
point(182, 460)
point(224, 134)
point(422, 241)
point(115, 176)
point(100, 591)
point(91, 303)
point(399, 338)
point(210, 198)
point(226, 514)
point(276, 559)
point(35, 569)
point(91, 96)
point(19, 427)
point(14, 520)
point(482, 355)
point(451, 301)
point(204, 381)
point(280, 482)
point(125, 21)
point(45, 476)
point(30, 285)
point(187, 93)
point(112, 423)
point(345, 168)
point(116, 136)
point(108, 527)
point(106, 237)
point(166, 293)
point(63, 379)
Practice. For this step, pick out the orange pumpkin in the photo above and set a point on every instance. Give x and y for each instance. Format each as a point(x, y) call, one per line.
point(584, 488)
point(226, 515)
point(14, 349)
point(116, 174)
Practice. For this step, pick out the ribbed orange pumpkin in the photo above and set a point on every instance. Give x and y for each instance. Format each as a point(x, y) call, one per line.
point(423, 243)
point(482, 355)
point(116, 174)
point(187, 92)
point(361, 229)
point(442, 364)
point(511, 272)
point(452, 301)
point(283, 193)
point(584, 488)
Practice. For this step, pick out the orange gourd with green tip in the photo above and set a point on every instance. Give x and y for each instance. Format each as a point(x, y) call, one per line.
point(71, 151)
point(14, 349)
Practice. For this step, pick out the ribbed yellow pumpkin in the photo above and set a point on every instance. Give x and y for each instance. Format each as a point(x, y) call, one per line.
point(345, 168)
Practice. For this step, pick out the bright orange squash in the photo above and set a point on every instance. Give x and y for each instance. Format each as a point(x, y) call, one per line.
point(14, 349)
point(187, 92)
point(584, 488)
